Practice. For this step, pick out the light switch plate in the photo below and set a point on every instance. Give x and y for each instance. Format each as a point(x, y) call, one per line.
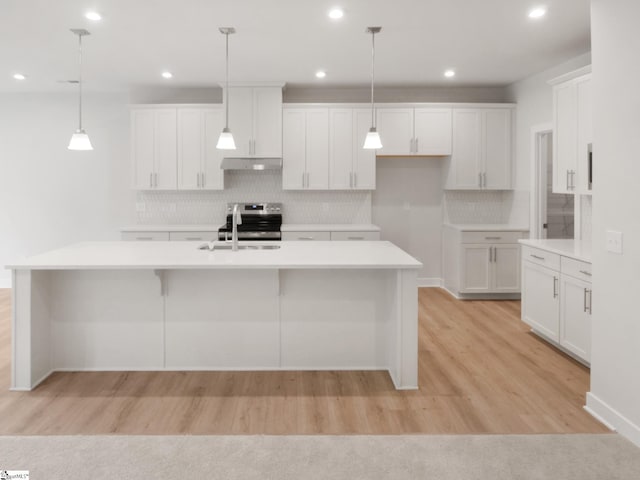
point(614, 241)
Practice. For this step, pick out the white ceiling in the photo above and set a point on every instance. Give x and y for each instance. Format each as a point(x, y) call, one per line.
point(489, 42)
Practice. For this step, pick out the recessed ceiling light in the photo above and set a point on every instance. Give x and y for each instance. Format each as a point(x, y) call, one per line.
point(321, 74)
point(336, 13)
point(538, 12)
point(450, 73)
point(167, 75)
point(19, 76)
point(95, 16)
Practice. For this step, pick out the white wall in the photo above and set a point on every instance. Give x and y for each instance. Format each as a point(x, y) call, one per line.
point(615, 368)
point(534, 97)
point(50, 196)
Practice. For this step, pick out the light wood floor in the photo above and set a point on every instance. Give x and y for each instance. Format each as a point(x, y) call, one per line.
point(480, 372)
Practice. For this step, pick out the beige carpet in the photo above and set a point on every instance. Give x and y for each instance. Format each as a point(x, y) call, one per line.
point(494, 457)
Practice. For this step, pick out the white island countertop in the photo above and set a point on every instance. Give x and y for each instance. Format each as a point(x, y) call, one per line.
point(577, 249)
point(186, 255)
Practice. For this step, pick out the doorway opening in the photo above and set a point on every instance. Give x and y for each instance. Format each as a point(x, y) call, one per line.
point(553, 214)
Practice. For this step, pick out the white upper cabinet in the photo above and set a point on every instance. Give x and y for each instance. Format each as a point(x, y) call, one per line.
point(351, 167)
point(255, 119)
point(415, 131)
point(482, 149)
point(573, 133)
point(198, 158)
point(153, 148)
point(305, 156)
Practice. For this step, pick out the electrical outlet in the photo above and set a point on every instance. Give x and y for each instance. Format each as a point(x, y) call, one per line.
point(614, 241)
point(141, 207)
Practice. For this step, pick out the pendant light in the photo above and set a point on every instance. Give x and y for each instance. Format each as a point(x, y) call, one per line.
point(80, 139)
point(372, 141)
point(225, 141)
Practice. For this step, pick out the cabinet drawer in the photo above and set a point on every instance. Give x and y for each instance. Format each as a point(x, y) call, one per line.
point(541, 257)
point(145, 236)
point(355, 236)
point(293, 236)
point(576, 268)
point(490, 237)
point(193, 236)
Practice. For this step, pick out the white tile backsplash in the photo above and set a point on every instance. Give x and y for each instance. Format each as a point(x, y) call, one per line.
point(197, 207)
point(473, 207)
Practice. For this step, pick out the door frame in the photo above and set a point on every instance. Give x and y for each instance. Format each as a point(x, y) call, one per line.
point(537, 132)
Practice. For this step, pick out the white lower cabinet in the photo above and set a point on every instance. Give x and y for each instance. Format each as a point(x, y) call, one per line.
point(324, 235)
point(193, 236)
point(555, 302)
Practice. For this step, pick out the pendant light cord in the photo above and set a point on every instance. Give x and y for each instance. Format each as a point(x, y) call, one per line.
point(373, 61)
point(80, 79)
point(226, 118)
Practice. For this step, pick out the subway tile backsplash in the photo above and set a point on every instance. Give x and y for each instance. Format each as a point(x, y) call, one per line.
point(198, 207)
point(477, 207)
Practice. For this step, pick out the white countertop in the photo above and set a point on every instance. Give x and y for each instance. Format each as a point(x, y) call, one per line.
point(286, 227)
point(487, 227)
point(185, 255)
point(578, 249)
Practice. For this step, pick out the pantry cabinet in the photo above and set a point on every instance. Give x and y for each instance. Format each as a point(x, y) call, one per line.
point(153, 148)
point(482, 152)
point(557, 299)
point(351, 167)
point(421, 131)
point(198, 158)
point(255, 119)
point(573, 132)
point(305, 155)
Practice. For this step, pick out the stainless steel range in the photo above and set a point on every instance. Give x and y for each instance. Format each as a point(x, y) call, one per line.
point(259, 221)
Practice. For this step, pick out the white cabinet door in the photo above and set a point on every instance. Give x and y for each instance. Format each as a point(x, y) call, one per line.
point(165, 149)
point(190, 148)
point(364, 161)
point(584, 105)
point(294, 126)
point(395, 126)
point(540, 301)
point(433, 131)
point(142, 148)
point(317, 149)
point(564, 137)
point(267, 122)
point(465, 167)
point(506, 268)
point(241, 120)
point(474, 268)
point(575, 311)
point(212, 175)
point(341, 148)
point(496, 149)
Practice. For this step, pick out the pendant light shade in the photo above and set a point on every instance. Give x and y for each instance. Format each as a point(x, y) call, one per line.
point(80, 139)
point(372, 141)
point(225, 141)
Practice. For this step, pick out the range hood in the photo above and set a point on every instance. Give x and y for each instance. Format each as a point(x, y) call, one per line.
point(251, 163)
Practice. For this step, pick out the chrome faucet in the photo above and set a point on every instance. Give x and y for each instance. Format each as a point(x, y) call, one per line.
point(236, 219)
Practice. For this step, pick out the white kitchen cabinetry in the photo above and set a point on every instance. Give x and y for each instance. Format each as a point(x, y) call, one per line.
point(305, 155)
point(153, 148)
point(556, 299)
point(573, 132)
point(351, 167)
point(481, 262)
point(255, 119)
point(415, 131)
point(482, 149)
point(334, 235)
point(198, 158)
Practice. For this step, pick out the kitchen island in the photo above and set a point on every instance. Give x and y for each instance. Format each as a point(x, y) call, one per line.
point(171, 306)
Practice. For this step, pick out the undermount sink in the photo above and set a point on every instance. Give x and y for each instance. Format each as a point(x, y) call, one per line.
point(226, 246)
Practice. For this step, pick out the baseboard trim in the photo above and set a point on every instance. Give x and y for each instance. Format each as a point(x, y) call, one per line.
point(429, 282)
point(612, 418)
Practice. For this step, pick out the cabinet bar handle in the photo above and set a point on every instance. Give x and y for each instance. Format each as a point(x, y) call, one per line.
point(590, 300)
point(194, 238)
point(492, 238)
point(537, 257)
point(568, 187)
point(144, 238)
point(490, 254)
point(305, 238)
point(495, 254)
point(584, 272)
point(555, 287)
point(480, 180)
point(355, 238)
point(584, 300)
